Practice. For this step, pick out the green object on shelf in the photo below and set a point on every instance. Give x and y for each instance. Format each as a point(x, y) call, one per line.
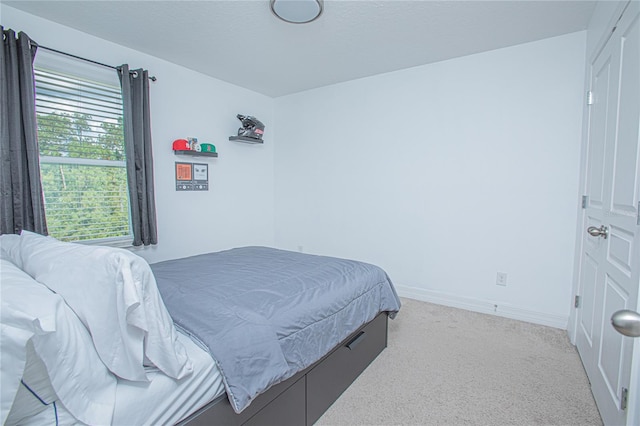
point(207, 147)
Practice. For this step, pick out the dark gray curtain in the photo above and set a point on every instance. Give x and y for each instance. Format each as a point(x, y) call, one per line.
point(21, 199)
point(137, 136)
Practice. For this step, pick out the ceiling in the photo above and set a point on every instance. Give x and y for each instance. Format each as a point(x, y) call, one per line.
point(241, 42)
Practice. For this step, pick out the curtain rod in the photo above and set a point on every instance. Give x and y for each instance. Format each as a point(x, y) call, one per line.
point(152, 78)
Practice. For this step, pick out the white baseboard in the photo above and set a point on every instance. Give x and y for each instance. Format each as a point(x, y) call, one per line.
point(483, 306)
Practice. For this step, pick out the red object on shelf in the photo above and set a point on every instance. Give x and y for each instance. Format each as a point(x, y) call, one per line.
point(181, 145)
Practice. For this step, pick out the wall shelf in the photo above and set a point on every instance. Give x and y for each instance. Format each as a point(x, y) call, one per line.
point(245, 139)
point(196, 153)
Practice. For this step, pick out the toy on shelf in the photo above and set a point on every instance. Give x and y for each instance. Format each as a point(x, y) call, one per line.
point(207, 147)
point(181, 145)
point(193, 144)
point(251, 131)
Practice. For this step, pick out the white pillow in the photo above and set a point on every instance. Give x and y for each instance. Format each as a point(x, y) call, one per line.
point(13, 341)
point(36, 393)
point(32, 314)
point(114, 293)
point(9, 244)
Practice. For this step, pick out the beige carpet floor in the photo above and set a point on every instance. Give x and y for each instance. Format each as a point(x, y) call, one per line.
point(447, 366)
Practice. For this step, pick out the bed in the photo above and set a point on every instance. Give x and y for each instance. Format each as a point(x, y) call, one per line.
point(251, 335)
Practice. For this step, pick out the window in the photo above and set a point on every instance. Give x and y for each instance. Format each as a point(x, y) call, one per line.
point(82, 156)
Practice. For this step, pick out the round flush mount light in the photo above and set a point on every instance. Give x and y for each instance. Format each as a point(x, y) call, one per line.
point(297, 11)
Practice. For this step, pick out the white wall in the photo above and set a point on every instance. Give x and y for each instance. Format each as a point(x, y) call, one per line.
point(238, 208)
point(443, 175)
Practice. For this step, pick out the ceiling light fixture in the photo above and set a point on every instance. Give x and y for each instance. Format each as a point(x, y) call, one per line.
point(297, 11)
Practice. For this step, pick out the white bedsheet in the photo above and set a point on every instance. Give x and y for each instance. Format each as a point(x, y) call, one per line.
point(162, 401)
point(165, 401)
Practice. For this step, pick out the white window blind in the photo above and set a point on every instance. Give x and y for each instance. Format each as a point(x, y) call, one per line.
point(82, 158)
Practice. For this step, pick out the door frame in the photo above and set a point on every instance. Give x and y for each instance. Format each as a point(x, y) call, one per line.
point(633, 413)
point(572, 327)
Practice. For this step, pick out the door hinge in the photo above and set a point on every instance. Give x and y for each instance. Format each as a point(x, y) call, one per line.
point(576, 301)
point(589, 97)
point(585, 201)
point(624, 398)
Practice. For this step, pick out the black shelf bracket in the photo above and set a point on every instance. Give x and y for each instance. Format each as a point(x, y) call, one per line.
point(196, 153)
point(245, 139)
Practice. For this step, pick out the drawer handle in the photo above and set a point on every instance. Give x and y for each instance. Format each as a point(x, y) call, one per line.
point(354, 342)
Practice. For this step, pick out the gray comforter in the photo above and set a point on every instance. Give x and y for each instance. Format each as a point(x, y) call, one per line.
point(265, 314)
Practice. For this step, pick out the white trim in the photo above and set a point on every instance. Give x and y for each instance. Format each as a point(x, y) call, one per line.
point(633, 414)
point(484, 306)
point(118, 242)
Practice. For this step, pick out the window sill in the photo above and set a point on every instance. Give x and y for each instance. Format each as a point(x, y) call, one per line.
point(120, 242)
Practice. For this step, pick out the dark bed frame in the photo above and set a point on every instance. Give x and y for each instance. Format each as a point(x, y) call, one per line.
point(303, 398)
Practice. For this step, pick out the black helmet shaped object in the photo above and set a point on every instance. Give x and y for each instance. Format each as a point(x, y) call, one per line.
point(251, 127)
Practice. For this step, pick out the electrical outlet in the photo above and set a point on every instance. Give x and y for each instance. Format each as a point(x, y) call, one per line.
point(501, 279)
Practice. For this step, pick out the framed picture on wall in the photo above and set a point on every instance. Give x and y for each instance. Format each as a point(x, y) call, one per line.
point(184, 177)
point(192, 177)
point(200, 177)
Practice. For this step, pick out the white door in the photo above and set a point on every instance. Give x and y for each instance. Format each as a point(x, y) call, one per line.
point(610, 258)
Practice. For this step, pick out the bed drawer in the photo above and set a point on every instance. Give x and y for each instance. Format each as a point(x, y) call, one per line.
point(327, 380)
point(303, 398)
point(288, 409)
point(287, 398)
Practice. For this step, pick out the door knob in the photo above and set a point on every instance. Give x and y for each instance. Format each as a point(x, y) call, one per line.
point(626, 322)
point(603, 231)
